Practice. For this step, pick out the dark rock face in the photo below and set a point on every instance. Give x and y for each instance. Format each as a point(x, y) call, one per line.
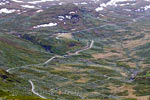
point(46, 47)
point(75, 19)
point(35, 41)
point(4, 76)
point(72, 45)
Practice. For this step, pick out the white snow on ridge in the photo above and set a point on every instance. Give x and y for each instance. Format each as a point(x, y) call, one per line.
point(46, 25)
point(102, 6)
point(38, 11)
point(147, 7)
point(143, 8)
point(80, 3)
point(61, 18)
point(72, 12)
point(28, 6)
point(83, 3)
point(68, 16)
point(114, 2)
point(18, 1)
point(7, 11)
point(76, 4)
point(36, 2)
point(127, 9)
point(95, 1)
point(61, 3)
point(4, 2)
point(110, 3)
point(99, 8)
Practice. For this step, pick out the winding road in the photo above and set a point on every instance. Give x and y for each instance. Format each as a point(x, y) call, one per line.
point(49, 60)
point(33, 90)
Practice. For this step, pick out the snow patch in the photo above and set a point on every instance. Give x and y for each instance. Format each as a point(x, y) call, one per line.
point(7, 11)
point(46, 25)
point(4, 2)
point(127, 9)
point(146, 7)
point(36, 2)
point(114, 2)
point(28, 6)
point(18, 1)
point(83, 3)
point(111, 3)
point(38, 11)
point(143, 8)
point(68, 16)
point(99, 8)
point(72, 12)
point(61, 18)
point(61, 3)
point(102, 6)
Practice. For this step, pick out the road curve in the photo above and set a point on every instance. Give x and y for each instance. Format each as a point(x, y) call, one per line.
point(49, 60)
point(10, 69)
point(85, 48)
point(76, 53)
point(33, 90)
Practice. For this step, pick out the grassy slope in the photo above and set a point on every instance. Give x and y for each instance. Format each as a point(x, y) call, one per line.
point(10, 87)
point(17, 52)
